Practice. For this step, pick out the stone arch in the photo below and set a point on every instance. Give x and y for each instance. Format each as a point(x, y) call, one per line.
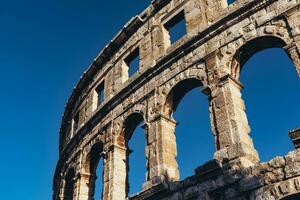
point(175, 94)
point(132, 120)
point(246, 51)
point(94, 148)
point(125, 125)
point(69, 185)
point(268, 36)
point(90, 166)
point(238, 53)
point(187, 80)
point(176, 91)
point(130, 124)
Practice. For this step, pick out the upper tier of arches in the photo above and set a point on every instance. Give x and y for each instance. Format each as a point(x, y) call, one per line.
point(108, 74)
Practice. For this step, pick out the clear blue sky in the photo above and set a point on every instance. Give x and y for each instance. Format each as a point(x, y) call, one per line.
point(45, 48)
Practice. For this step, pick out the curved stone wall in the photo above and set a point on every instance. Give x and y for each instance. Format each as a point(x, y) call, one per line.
point(108, 103)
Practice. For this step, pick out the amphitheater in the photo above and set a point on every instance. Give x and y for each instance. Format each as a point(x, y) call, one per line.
point(109, 102)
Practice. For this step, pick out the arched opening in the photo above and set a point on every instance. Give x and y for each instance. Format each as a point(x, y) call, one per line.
point(250, 48)
point(271, 92)
point(188, 106)
point(135, 143)
point(94, 167)
point(69, 185)
point(292, 197)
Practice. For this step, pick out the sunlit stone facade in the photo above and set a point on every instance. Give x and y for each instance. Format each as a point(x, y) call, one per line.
point(107, 104)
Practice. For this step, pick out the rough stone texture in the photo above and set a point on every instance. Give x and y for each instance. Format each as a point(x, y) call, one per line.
point(219, 40)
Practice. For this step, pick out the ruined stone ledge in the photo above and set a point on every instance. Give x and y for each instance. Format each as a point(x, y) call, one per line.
point(295, 137)
point(230, 181)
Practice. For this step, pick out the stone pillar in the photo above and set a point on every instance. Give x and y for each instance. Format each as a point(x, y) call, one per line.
point(119, 74)
point(106, 179)
point(68, 187)
point(293, 50)
point(195, 16)
point(76, 187)
point(160, 41)
point(146, 55)
point(162, 150)
point(83, 187)
point(230, 124)
point(147, 152)
point(60, 195)
point(115, 174)
point(214, 9)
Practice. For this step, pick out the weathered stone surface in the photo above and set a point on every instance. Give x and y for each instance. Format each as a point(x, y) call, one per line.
point(219, 40)
point(295, 136)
